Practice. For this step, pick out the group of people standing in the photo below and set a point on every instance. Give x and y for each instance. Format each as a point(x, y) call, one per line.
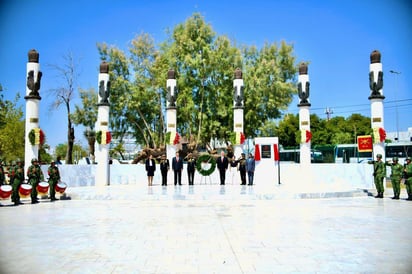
point(243, 165)
point(398, 172)
point(34, 177)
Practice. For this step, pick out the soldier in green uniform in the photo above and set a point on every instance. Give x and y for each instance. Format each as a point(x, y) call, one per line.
point(379, 173)
point(396, 176)
point(11, 173)
point(54, 178)
point(242, 168)
point(16, 179)
point(408, 178)
point(35, 175)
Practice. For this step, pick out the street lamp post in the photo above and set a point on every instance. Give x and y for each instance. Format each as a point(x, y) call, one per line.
point(396, 104)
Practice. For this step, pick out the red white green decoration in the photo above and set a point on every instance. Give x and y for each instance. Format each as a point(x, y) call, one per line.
point(240, 138)
point(36, 136)
point(303, 136)
point(172, 138)
point(103, 137)
point(379, 135)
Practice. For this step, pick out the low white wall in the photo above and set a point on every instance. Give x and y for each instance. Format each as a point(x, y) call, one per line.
point(348, 176)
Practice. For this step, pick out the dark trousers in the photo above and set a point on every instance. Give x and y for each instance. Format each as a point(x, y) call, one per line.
point(222, 173)
point(178, 177)
point(34, 191)
point(250, 175)
point(191, 176)
point(52, 190)
point(243, 176)
point(164, 177)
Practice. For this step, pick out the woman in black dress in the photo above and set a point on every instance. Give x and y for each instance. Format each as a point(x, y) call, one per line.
point(150, 168)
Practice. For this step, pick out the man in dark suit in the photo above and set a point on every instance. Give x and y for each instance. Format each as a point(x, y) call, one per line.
point(177, 166)
point(222, 164)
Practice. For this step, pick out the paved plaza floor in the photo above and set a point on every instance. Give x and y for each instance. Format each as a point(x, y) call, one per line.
point(207, 229)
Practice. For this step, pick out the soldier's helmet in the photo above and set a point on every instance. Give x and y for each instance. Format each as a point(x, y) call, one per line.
point(33, 160)
point(379, 156)
point(408, 159)
point(395, 159)
point(13, 163)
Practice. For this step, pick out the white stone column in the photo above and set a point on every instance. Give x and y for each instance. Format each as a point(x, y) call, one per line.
point(171, 113)
point(304, 124)
point(376, 98)
point(238, 106)
point(32, 106)
point(304, 113)
point(102, 177)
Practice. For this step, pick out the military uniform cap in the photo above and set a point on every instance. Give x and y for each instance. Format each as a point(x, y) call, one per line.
point(379, 155)
point(395, 159)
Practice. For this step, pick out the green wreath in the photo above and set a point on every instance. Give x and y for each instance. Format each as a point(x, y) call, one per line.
point(32, 137)
point(206, 158)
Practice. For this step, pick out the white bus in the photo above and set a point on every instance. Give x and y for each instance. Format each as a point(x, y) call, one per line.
point(348, 153)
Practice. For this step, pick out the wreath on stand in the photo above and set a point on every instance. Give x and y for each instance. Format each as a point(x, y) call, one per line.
point(206, 164)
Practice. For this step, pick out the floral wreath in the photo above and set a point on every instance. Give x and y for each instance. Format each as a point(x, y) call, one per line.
point(303, 136)
point(103, 137)
point(172, 138)
point(36, 137)
point(379, 135)
point(206, 158)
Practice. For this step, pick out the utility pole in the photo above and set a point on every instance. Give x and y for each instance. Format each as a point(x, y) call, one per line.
point(396, 103)
point(328, 112)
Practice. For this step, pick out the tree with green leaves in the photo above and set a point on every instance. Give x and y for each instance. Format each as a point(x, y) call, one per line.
point(11, 129)
point(86, 115)
point(270, 83)
point(204, 63)
point(78, 151)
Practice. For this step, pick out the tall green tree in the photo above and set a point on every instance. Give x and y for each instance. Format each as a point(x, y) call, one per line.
point(287, 130)
point(204, 63)
point(78, 150)
point(86, 115)
point(270, 84)
point(11, 129)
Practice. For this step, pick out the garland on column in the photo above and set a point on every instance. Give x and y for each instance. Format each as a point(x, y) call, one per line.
point(240, 138)
point(172, 138)
point(103, 137)
point(303, 136)
point(379, 135)
point(36, 136)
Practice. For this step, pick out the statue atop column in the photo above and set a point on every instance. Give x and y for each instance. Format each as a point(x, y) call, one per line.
point(171, 89)
point(303, 86)
point(33, 81)
point(376, 83)
point(238, 92)
point(104, 91)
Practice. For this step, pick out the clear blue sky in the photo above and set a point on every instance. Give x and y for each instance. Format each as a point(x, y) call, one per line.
point(336, 37)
